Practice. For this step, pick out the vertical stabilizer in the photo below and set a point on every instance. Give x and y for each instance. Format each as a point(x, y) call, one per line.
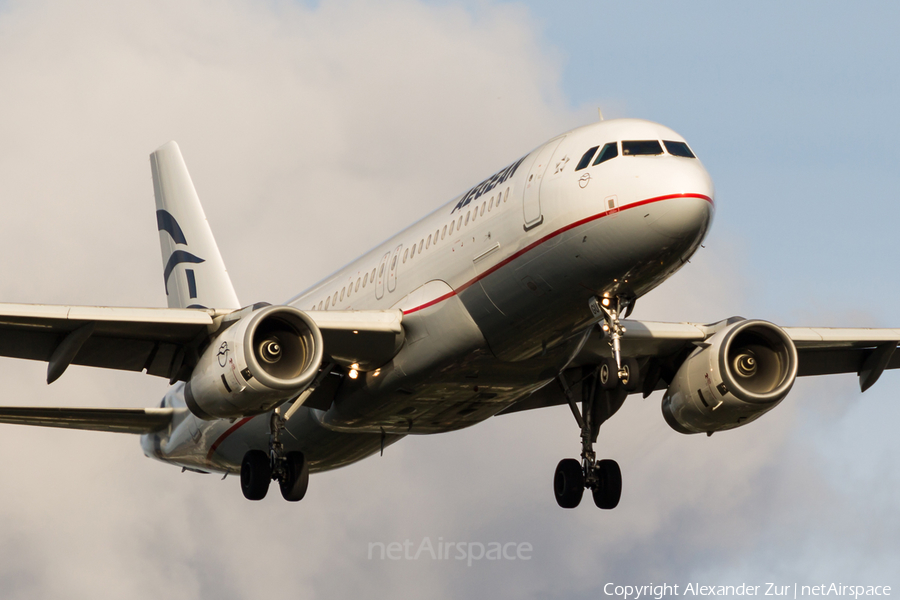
point(195, 275)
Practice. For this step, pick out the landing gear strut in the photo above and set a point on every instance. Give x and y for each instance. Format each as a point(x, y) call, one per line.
point(290, 470)
point(619, 369)
point(603, 390)
point(602, 477)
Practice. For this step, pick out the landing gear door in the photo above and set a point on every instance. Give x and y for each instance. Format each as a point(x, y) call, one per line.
point(392, 272)
point(379, 284)
point(531, 204)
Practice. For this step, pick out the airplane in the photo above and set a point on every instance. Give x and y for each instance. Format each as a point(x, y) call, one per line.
point(516, 295)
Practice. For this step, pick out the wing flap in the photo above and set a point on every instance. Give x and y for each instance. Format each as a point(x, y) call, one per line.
point(118, 420)
point(364, 338)
point(844, 337)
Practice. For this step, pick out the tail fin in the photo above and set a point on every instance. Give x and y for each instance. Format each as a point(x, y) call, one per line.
point(194, 273)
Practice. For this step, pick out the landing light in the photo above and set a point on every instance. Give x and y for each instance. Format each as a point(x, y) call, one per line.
point(353, 373)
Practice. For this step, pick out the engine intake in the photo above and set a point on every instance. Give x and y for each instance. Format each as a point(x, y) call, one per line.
point(262, 360)
point(741, 372)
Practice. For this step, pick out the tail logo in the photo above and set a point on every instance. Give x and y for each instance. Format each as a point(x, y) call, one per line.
point(166, 222)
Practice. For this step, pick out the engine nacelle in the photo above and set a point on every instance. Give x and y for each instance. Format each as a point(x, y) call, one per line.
point(265, 358)
point(737, 375)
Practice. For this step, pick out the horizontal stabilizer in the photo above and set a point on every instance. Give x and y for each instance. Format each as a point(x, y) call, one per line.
point(118, 420)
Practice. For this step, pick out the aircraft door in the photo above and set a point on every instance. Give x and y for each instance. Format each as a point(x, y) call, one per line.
point(392, 272)
point(531, 204)
point(379, 283)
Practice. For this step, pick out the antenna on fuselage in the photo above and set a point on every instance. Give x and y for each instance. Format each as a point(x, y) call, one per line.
point(600, 112)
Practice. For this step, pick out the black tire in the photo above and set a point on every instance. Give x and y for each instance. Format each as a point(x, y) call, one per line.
point(256, 473)
point(568, 483)
point(632, 380)
point(296, 480)
point(609, 488)
point(608, 374)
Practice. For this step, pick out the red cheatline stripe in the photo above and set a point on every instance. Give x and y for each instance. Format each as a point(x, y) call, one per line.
point(222, 437)
point(550, 236)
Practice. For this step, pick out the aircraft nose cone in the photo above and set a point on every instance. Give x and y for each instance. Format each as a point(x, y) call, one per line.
point(682, 216)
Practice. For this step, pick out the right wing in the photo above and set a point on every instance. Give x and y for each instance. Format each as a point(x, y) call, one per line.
point(663, 347)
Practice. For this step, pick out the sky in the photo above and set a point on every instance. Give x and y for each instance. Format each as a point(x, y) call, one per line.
point(313, 131)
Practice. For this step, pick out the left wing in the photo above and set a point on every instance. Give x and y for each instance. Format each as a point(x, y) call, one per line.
point(160, 341)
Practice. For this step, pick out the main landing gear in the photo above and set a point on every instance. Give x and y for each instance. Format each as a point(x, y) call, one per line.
point(290, 470)
point(603, 390)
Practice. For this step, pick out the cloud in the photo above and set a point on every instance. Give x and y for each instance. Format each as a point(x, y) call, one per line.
point(312, 134)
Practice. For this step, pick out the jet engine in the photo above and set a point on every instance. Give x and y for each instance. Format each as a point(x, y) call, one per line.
point(738, 374)
point(260, 361)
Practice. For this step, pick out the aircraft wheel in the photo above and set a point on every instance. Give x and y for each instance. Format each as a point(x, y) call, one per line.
point(609, 489)
point(296, 479)
point(256, 473)
point(568, 483)
point(608, 374)
point(632, 378)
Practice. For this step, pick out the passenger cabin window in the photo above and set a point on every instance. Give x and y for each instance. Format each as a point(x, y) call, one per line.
point(421, 243)
point(483, 204)
point(405, 254)
point(641, 148)
point(357, 284)
point(452, 223)
point(372, 276)
point(444, 232)
point(365, 279)
point(586, 159)
point(609, 151)
point(320, 306)
point(342, 293)
point(678, 149)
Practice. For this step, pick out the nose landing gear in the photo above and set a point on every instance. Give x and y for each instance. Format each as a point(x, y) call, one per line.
point(603, 390)
point(602, 477)
point(290, 470)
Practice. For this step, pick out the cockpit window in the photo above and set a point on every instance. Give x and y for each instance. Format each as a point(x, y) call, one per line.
point(609, 151)
point(586, 159)
point(642, 147)
point(678, 149)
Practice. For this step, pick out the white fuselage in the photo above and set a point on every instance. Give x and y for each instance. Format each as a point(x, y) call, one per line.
point(493, 287)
